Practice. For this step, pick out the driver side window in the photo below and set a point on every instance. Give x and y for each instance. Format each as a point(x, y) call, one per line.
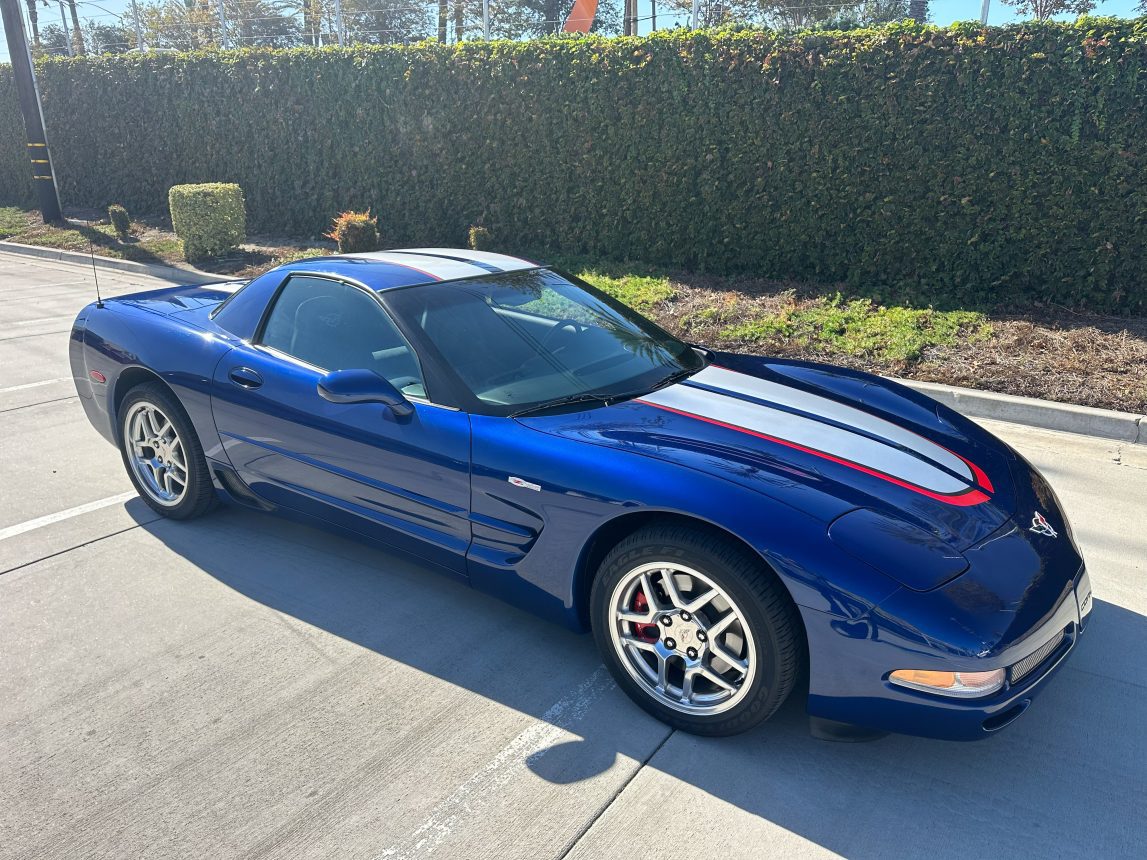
point(336, 326)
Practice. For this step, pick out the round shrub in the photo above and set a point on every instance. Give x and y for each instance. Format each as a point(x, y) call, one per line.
point(480, 239)
point(355, 232)
point(120, 220)
point(209, 218)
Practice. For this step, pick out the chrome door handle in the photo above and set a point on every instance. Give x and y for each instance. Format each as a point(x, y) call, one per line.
point(245, 377)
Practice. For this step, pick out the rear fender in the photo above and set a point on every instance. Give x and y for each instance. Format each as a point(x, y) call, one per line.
point(124, 344)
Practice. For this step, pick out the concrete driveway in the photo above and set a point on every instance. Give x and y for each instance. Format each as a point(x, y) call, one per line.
point(239, 686)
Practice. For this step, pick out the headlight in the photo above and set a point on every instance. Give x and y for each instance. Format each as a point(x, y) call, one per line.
point(959, 684)
point(907, 553)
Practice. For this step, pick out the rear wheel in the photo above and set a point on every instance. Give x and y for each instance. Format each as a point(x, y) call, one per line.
point(696, 630)
point(162, 453)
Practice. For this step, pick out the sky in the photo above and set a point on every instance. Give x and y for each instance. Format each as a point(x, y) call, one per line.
point(942, 11)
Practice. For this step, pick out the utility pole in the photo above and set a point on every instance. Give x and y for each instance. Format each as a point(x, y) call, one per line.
point(67, 31)
point(486, 20)
point(224, 41)
point(340, 28)
point(696, 20)
point(43, 177)
point(984, 13)
point(138, 28)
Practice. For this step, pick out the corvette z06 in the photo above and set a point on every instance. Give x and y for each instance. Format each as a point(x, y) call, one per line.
point(729, 527)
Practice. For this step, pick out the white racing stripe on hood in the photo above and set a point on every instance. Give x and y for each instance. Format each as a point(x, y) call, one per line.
point(810, 433)
point(814, 404)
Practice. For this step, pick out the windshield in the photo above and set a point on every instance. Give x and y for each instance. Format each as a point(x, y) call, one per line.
point(522, 340)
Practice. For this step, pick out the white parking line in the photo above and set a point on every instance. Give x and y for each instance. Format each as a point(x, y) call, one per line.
point(40, 522)
point(475, 792)
point(39, 320)
point(28, 385)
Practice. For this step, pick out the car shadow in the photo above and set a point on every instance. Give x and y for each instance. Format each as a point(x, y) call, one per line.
point(1067, 778)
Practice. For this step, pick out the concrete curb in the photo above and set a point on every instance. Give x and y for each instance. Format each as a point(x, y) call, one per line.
point(1067, 417)
point(156, 270)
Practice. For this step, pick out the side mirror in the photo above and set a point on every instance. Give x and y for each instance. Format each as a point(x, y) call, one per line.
point(363, 386)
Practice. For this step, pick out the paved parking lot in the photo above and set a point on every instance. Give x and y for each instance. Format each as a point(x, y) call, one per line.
point(239, 686)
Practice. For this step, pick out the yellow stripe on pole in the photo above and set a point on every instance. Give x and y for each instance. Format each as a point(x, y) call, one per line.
point(37, 144)
point(39, 161)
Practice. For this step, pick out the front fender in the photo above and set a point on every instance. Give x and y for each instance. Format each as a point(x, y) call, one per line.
point(530, 533)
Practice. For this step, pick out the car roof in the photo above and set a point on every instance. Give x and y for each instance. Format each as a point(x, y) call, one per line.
point(405, 267)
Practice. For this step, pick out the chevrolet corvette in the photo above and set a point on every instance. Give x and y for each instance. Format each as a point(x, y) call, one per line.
point(731, 528)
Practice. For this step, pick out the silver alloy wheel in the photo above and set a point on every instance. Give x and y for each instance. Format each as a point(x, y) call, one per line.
point(156, 453)
point(682, 637)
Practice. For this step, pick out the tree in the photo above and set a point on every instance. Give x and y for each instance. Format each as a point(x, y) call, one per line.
point(53, 41)
point(1041, 10)
point(795, 14)
point(918, 11)
point(867, 14)
point(380, 21)
point(266, 23)
point(195, 24)
point(77, 35)
point(34, 20)
point(718, 13)
point(107, 38)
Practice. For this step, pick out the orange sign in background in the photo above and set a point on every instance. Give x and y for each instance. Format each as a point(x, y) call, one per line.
point(581, 17)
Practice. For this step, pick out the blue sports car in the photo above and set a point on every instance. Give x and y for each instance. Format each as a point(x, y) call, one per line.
point(728, 526)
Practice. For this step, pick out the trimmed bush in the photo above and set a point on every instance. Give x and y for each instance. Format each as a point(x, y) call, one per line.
point(355, 232)
point(479, 239)
point(209, 218)
point(960, 165)
point(120, 220)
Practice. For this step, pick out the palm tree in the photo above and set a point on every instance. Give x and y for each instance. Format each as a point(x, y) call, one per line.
point(77, 36)
point(34, 20)
point(918, 10)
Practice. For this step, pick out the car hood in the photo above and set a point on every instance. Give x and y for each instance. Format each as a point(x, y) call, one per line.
point(822, 439)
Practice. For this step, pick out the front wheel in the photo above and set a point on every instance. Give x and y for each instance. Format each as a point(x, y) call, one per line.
point(696, 630)
point(162, 453)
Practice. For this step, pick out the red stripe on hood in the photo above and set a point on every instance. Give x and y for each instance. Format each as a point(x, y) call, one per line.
point(970, 497)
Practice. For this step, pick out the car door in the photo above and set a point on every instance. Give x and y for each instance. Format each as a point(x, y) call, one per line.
point(404, 480)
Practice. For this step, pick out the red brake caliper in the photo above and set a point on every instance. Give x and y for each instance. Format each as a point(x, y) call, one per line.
point(645, 632)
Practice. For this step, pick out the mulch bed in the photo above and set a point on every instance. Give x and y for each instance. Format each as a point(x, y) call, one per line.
point(1052, 354)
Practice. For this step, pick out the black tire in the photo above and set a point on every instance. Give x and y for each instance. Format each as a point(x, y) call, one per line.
point(199, 496)
point(761, 598)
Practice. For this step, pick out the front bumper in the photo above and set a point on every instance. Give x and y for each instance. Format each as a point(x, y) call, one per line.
point(1031, 661)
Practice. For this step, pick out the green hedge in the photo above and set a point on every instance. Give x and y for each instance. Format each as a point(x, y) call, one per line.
point(934, 165)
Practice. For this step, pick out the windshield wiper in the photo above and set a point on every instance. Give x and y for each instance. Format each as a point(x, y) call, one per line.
point(606, 399)
point(584, 397)
point(676, 376)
